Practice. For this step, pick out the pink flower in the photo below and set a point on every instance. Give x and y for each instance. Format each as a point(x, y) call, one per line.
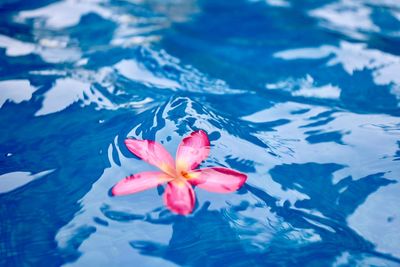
point(181, 175)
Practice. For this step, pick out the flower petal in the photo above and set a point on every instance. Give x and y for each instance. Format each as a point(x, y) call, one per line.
point(139, 182)
point(217, 179)
point(192, 151)
point(153, 153)
point(179, 197)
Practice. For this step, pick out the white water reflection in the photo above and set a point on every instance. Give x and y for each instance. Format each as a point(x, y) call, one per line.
point(15, 47)
point(349, 17)
point(384, 67)
point(67, 91)
point(50, 50)
point(306, 87)
point(13, 180)
point(132, 70)
point(64, 14)
point(380, 211)
point(278, 3)
point(15, 91)
point(356, 133)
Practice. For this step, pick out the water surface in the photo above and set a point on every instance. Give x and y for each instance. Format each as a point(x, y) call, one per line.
point(302, 96)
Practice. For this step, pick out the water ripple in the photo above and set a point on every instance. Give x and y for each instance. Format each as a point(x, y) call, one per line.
point(302, 96)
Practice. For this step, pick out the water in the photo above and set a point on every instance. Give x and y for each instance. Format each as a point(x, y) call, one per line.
point(302, 96)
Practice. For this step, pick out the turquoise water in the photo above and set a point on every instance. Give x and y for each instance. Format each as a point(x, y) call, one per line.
point(302, 96)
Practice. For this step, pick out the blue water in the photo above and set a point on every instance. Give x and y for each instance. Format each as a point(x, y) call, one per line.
point(302, 96)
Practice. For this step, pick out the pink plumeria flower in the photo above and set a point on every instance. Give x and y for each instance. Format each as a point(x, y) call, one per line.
point(181, 175)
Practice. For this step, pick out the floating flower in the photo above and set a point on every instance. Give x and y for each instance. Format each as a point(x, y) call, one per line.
point(181, 175)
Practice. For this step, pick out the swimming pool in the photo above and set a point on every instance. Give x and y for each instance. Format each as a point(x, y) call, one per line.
point(302, 96)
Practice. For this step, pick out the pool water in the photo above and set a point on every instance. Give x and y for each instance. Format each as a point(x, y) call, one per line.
point(302, 96)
